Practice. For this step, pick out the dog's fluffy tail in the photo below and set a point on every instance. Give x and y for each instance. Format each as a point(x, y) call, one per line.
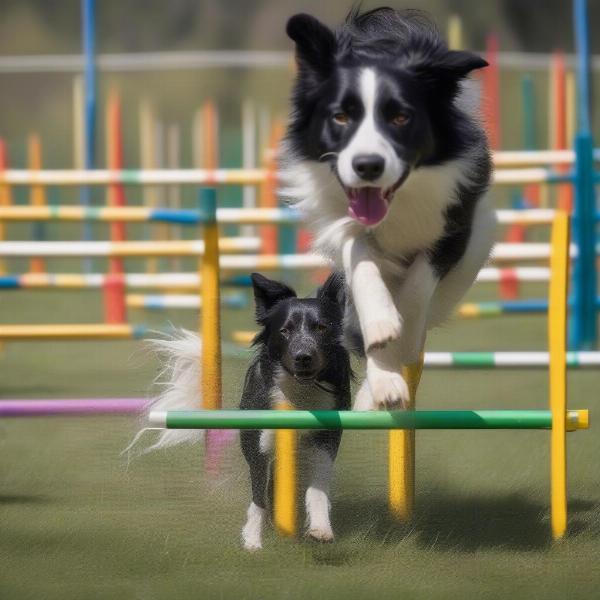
point(179, 379)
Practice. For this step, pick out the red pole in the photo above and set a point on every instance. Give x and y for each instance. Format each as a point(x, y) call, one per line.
point(115, 309)
point(491, 92)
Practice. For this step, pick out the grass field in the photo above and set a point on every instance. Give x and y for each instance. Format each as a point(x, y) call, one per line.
point(78, 521)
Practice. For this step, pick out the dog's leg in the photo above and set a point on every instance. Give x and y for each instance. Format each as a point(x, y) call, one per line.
point(258, 463)
point(320, 455)
point(414, 300)
point(388, 388)
point(377, 314)
point(387, 385)
point(364, 398)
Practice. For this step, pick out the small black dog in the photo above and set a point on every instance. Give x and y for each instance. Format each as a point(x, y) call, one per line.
point(300, 359)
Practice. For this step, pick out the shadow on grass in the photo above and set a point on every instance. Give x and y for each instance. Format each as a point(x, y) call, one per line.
point(446, 520)
point(8, 499)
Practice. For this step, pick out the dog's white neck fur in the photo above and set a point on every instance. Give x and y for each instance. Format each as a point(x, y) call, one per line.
point(302, 396)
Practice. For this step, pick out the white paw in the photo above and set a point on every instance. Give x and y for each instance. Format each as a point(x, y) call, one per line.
point(389, 390)
point(378, 333)
point(363, 399)
point(321, 534)
point(251, 540)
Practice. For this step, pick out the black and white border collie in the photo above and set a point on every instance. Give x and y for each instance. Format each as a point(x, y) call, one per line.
point(300, 360)
point(390, 166)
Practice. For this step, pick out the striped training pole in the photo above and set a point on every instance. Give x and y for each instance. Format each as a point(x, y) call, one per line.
point(401, 455)
point(557, 342)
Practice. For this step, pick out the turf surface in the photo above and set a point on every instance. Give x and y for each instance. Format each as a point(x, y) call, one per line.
point(78, 520)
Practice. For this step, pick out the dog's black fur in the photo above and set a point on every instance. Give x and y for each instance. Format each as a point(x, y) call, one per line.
point(301, 342)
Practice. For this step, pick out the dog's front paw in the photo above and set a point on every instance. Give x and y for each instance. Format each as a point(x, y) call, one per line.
point(389, 390)
point(379, 332)
point(321, 534)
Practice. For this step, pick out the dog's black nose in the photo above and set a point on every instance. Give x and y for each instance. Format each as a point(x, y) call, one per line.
point(368, 166)
point(303, 359)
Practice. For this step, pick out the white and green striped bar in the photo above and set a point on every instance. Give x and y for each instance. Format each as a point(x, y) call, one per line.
point(506, 360)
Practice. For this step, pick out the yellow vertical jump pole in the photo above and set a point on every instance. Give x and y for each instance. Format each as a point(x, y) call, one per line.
point(401, 455)
point(557, 341)
point(210, 322)
point(210, 327)
point(285, 476)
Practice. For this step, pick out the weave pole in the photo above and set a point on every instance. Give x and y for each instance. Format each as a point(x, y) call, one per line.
point(557, 343)
point(401, 455)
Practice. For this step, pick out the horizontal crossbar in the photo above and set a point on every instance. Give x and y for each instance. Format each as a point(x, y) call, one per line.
point(333, 419)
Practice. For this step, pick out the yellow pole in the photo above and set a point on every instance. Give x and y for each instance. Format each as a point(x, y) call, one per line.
point(401, 455)
point(284, 479)
point(557, 334)
point(211, 307)
point(455, 33)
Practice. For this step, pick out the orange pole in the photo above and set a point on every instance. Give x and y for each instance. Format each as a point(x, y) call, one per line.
point(38, 192)
point(491, 92)
point(115, 309)
point(5, 195)
point(558, 127)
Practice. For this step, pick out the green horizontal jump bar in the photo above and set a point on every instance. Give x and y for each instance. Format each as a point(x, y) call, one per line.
point(333, 419)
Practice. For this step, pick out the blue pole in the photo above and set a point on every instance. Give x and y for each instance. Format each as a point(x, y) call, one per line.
point(583, 66)
point(583, 332)
point(89, 48)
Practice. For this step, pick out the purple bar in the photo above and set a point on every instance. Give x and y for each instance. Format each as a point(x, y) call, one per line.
point(86, 406)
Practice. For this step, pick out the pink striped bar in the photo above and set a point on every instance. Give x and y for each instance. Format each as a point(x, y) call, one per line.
point(84, 406)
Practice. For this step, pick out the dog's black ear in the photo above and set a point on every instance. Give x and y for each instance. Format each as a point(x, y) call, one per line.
point(460, 63)
point(453, 66)
point(315, 43)
point(267, 293)
point(333, 289)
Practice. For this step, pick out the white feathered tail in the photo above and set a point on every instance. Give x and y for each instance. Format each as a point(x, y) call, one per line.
point(179, 379)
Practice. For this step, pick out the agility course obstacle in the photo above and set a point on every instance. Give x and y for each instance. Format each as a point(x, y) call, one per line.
point(82, 406)
point(402, 424)
point(337, 419)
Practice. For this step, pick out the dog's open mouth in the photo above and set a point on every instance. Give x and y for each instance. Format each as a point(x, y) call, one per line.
point(369, 205)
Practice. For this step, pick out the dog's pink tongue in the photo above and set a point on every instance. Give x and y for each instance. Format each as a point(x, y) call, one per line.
point(367, 205)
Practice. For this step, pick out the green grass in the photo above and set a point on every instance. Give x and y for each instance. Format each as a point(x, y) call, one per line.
point(78, 521)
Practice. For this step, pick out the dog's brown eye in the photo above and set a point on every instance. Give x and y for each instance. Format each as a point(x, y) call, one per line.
point(341, 118)
point(284, 331)
point(321, 327)
point(400, 119)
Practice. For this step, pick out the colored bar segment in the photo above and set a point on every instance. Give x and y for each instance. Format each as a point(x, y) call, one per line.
point(332, 419)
